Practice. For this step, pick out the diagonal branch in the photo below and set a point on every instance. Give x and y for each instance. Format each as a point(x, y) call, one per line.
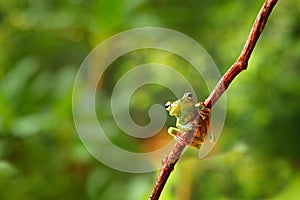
point(169, 162)
point(242, 61)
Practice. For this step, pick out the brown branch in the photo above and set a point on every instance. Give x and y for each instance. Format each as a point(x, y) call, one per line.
point(169, 162)
point(242, 61)
point(167, 167)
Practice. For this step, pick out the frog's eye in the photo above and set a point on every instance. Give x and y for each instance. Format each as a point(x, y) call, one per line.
point(168, 105)
point(189, 95)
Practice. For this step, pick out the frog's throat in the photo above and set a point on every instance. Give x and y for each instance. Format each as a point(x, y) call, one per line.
point(175, 112)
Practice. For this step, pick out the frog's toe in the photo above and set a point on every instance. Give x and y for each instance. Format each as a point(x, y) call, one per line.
point(178, 138)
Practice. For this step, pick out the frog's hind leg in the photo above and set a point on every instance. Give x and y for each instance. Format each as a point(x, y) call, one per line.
point(205, 123)
point(196, 143)
point(197, 140)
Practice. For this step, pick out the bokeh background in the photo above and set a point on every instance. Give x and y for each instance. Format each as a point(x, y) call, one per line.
point(42, 46)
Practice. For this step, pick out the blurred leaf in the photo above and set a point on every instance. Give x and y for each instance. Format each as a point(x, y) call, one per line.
point(291, 191)
point(137, 188)
point(32, 124)
point(14, 82)
point(7, 170)
point(97, 179)
point(64, 82)
point(80, 154)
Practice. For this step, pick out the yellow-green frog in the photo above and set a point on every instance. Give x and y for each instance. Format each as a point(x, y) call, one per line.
point(190, 117)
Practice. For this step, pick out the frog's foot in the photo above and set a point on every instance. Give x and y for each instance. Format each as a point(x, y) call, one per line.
point(186, 127)
point(176, 133)
point(204, 111)
point(178, 138)
point(196, 145)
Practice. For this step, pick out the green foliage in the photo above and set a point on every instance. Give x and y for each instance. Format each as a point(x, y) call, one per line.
point(42, 46)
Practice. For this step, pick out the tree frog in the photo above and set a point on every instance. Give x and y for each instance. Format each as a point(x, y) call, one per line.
point(190, 117)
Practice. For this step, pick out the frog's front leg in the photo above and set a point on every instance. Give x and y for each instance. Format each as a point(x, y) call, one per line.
point(176, 133)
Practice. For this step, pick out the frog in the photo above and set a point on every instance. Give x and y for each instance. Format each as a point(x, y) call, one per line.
point(190, 116)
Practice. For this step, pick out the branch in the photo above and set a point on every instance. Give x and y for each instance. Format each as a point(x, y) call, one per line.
point(169, 162)
point(242, 62)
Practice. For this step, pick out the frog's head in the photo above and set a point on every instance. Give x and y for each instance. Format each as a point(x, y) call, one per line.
point(176, 108)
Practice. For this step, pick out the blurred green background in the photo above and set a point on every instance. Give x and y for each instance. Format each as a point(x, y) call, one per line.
point(42, 46)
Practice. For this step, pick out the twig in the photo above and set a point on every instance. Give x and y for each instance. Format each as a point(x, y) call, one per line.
point(169, 162)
